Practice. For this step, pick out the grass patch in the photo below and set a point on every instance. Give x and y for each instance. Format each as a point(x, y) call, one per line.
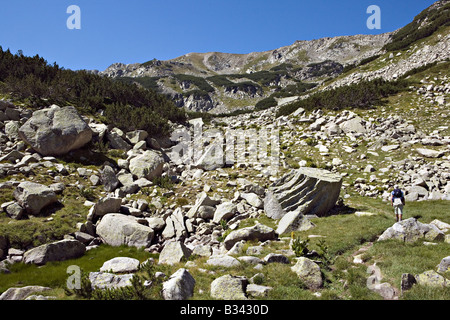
point(54, 274)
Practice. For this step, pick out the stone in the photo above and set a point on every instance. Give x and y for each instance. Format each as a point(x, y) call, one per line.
point(444, 265)
point(250, 260)
point(55, 131)
point(309, 272)
point(258, 232)
point(22, 293)
point(55, 251)
point(276, 258)
point(175, 226)
point(156, 223)
point(12, 156)
point(174, 252)
point(411, 230)
point(136, 136)
point(105, 280)
point(180, 286)
point(354, 125)
point(389, 148)
point(444, 227)
point(83, 237)
point(223, 261)
point(116, 141)
point(229, 287)
point(33, 197)
point(407, 282)
point(305, 190)
point(258, 291)
point(202, 251)
point(120, 265)
point(202, 200)
point(431, 278)
point(385, 290)
point(224, 211)
point(117, 229)
point(294, 221)
point(148, 165)
point(109, 179)
point(107, 205)
point(12, 130)
point(211, 159)
point(206, 212)
point(15, 211)
point(253, 200)
point(429, 153)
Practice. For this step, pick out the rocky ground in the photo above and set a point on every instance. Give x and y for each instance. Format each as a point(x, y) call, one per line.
point(132, 193)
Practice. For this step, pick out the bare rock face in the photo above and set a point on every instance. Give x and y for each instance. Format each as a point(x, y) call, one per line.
point(305, 190)
point(56, 131)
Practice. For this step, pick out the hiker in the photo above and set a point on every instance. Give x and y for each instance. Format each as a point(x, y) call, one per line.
point(398, 201)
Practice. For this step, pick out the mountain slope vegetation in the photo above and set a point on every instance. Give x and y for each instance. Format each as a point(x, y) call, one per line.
point(37, 83)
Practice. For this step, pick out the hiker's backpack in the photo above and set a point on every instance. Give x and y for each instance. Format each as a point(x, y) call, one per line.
point(397, 193)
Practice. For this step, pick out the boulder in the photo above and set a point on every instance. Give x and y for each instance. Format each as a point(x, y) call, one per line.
point(253, 200)
point(116, 140)
point(305, 190)
point(431, 278)
point(15, 211)
point(137, 136)
point(33, 197)
point(294, 221)
point(411, 230)
point(276, 258)
point(258, 232)
point(229, 287)
point(309, 272)
point(444, 266)
point(120, 265)
point(354, 125)
point(56, 251)
point(180, 286)
point(107, 205)
point(223, 261)
point(104, 280)
point(211, 159)
point(224, 211)
point(109, 179)
point(175, 226)
point(117, 229)
point(174, 252)
point(56, 131)
point(147, 165)
point(202, 200)
point(258, 291)
point(22, 293)
point(429, 153)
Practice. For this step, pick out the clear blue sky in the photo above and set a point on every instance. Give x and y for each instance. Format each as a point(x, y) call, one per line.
point(140, 30)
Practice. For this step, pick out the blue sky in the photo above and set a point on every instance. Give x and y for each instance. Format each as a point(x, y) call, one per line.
point(140, 30)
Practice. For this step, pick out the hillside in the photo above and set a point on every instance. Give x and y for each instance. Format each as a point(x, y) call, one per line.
point(287, 200)
point(191, 81)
